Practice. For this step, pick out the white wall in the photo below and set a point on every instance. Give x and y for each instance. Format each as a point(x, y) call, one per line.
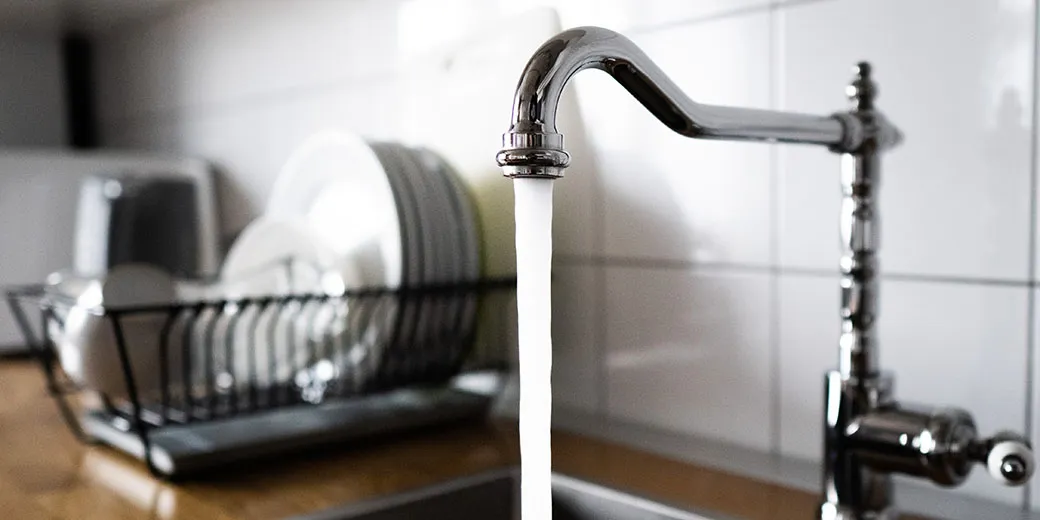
point(701, 296)
point(32, 99)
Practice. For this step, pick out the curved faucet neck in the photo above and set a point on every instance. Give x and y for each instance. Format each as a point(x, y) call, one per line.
point(534, 148)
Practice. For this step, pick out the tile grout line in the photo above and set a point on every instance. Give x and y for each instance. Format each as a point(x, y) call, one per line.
point(776, 55)
point(954, 280)
point(691, 265)
point(797, 3)
point(599, 276)
point(1027, 495)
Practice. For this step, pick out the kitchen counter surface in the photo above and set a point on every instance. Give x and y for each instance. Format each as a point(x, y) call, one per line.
point(45, 473)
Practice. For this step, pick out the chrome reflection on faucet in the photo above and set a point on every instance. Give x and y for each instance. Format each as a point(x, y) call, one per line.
point(868, 436)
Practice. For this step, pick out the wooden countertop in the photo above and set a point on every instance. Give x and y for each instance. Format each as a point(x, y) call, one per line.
point(45, 473)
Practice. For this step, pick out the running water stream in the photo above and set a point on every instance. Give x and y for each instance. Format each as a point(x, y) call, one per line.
point(534, 265)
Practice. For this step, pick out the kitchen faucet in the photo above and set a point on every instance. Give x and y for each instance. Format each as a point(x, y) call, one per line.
point(868, 435)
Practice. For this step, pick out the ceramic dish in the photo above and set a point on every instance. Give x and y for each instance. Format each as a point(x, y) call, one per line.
point(406, 321)
point(437, 313)
point(271, 258)
point(88, 349)
point(276, 257)
point(442, 251)
point(464, 239)
point(339, 186)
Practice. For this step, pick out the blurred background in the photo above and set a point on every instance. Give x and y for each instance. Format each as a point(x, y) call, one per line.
point(695, 283)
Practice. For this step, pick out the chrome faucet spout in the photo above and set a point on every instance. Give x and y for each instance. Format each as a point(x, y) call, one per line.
point(534, 148)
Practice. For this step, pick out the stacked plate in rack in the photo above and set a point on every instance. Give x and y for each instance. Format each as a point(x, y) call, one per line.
point(442, 249)
point(383, 215)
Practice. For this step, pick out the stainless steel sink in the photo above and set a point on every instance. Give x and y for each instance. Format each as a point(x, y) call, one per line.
point(493, 496)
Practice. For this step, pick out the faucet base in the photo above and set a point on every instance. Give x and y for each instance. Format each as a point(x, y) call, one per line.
point(869, 436)
point(850, 486)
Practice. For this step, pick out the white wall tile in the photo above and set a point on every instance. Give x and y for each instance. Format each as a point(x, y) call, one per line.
point(954, 197)
point(250, 144)
point(619, 15)
point(577, 307)
point(252, 135)
point(670, 197)
point(628, 14)
point(947, 344)
point(690, 352)
point(213, 53)
point(808, 339)
point(457, 98)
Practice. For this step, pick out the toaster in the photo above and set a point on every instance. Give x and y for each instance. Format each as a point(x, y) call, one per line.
point(130, 218)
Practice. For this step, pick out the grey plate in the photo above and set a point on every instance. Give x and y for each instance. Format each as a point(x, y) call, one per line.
point(435, 311)
point(437, 211)
point(405, 196)
point(465, 232)
point(414, 255)
point(469, 232)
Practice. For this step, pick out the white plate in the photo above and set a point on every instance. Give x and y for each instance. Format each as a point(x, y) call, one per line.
point(332, 209)
point(339, 186)
point(276, 257)
point(273, 258)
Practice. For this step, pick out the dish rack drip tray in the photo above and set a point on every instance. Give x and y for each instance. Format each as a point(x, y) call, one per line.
point(211, 383)
point(189, 448)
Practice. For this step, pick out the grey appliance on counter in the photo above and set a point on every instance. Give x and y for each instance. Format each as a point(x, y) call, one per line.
point(133, 218)
point(39, 201)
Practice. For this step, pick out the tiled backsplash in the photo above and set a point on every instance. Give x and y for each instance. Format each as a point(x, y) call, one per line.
point(702, 298)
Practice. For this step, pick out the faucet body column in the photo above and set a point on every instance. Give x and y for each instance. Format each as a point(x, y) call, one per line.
point(860, 233)
point(856, 387)
point(868, 436)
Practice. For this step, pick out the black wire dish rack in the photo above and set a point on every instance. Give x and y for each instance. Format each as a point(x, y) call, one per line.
point(208, 383)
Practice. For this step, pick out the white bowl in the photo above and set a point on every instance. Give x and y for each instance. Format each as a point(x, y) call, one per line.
point(88, 348)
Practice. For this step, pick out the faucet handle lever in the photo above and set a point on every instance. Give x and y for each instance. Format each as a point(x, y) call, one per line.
point(1008, 457)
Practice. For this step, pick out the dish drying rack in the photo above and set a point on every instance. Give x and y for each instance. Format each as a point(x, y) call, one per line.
point(338, 368)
